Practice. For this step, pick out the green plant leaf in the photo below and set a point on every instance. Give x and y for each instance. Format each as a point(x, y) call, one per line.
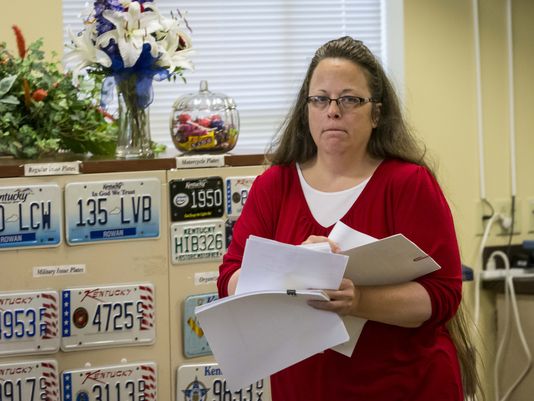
point(9, 100)
point(6, 84)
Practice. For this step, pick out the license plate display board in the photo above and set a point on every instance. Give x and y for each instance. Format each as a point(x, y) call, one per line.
point(134, 381)
point(196, 198)
point(112, 210)
point(237, 189)
point(29, 322)
point(29, 381)
point(30, 216)
point(96, 317)
point(195, 342)
point(197, 241)
point(206, 382)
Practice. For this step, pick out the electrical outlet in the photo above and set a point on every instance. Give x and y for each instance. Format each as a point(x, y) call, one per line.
point(504, 207)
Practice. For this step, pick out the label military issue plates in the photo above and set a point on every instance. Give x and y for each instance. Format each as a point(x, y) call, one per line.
point(29, 381)
point(196, 198)
point(112, 210)
point(29, 322)
point(133, 381)
point(197, 241)
point(96, 317)
point(30, 216)
point(237, 189)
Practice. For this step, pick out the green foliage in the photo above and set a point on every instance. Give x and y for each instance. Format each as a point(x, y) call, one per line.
point(53, 115)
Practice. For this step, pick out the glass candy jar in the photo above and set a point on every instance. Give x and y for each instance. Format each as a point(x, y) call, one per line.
point(204, 122)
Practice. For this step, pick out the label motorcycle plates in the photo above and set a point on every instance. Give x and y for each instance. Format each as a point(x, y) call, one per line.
point(229, 229)
point(205, 382)
point(197, 241)
point(29, 322)
point(195, 343)
point(132, 381)
point(96, 317)
point(29, 381)
point(30, 216)
point(112, 210)
point(237, 189)
point(196, 198)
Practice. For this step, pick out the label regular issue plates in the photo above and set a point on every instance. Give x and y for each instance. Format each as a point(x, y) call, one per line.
point(29, 381)
point(30, 216)
point(197, 241)
point(108, 316)
point(103, 211)
point(129, 381)
point(29, 322)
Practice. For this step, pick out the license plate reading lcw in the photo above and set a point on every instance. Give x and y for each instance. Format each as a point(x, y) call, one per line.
point(29, 322)
point(112, 210)
point(96, 317)
point(29, 381)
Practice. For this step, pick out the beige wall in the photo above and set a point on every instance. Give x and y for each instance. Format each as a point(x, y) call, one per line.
point(440, 102)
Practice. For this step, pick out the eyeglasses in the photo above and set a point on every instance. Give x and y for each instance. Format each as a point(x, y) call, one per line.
point(343, 102)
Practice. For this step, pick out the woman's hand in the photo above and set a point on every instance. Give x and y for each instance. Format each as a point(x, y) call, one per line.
point(343, 301)
point(314, 239)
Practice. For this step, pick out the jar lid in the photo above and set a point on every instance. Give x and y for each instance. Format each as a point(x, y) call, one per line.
point(204, 100)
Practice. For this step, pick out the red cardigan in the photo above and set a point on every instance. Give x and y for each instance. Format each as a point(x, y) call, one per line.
point(389, 362)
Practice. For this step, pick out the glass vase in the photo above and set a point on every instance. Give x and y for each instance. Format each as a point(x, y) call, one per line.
point(134, 123)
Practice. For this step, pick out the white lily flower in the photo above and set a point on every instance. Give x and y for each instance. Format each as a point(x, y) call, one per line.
point(133, 29)
point(172, 55)
point(83, 53)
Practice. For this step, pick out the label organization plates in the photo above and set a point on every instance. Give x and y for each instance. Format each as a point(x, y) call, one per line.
point(237, 189)
point(134, 381)
point(195, 343)
point(30, 216)
point(96, 317)
point(205, 382)
point(29, 322)
point(196, 198)
point(112, 210)
point(29, 381)
point(197, 241)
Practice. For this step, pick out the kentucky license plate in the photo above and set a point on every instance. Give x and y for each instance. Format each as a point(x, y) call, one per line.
point(112, 210)
point(95, 317)
point(132, 382)
point(237, 189)
point(206, 382)
point(29, 322)
point(30, 216)
point(29, 381)
point(197, 241)
point(196, 198)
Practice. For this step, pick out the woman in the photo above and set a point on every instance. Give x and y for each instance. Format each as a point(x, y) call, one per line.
point(345, 154)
